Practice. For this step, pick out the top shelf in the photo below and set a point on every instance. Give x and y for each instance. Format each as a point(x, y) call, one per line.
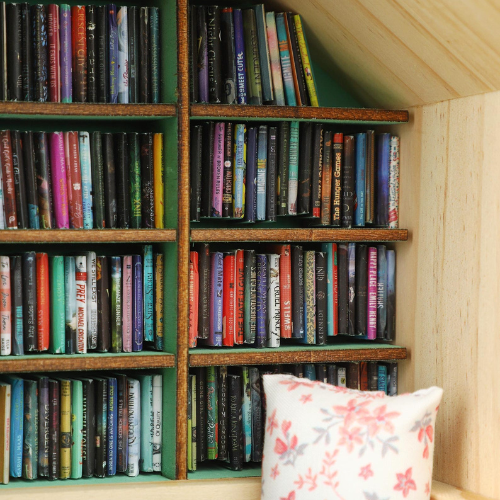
point(335, 115)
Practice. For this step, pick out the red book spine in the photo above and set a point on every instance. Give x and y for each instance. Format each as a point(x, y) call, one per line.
point(363, 376)
point(54, 54)
point(240, 297)
point(194, 288)
point(74, 179)
point(42, 300)
point(286, 292)
point(335, 291)
point(9, 190)
point(228, 301)
point(79, 46)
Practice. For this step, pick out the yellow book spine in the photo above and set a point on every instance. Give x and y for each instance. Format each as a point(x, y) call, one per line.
point(306, 63)
point(65, 430)
point(159, 188)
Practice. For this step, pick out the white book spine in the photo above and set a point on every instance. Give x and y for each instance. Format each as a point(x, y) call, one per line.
point(5, 307)
point(92, 300)
point(394, 183)
point(157, 411)
point(342, 377)
point(273, 300)
point(81, 303)
point(134, 426)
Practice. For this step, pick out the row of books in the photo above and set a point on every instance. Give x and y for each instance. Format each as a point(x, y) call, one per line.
point(226, 405)
point(288, 292)
point(60, 53)
point(250, 56)
point(80, 426)
point(75, 304)
point(259, 172)
point(81, 181)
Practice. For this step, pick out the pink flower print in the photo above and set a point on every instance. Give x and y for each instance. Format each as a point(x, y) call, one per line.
point(306, 398)
point(352, 411)
point(366, 472)
point(380, 419)
point(275, 472)
point(285, 426)
point(272, 423)
point(280, 447)
point(293, 384)
point(405, 483)
point(427, 489)
point(291, 496)
point(288, 449)
point(350, 437)
point(307, 480)
point(425, 432)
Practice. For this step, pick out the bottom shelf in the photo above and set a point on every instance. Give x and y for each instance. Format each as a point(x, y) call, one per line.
point(213, 470)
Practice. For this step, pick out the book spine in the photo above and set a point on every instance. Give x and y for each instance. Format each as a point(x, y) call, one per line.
point(9, 191)
point(196, 158)
point(223, 414)
point(103, 305)
point(59, 179)
point(348, 182)
point(204, 302)
point(326, 181)
point(194, 283)
point(112, 424)
point(5, 433)
point(383, 177)
point(321, 303)
point(43, 301)
point(27, 52)
point(361, 290)
point(70, 304)
point(134, 426)
point(79, 58)
point(298, 326)
point(327, 249)
point(201, 415)
point(363, 376)
point(228, 55)
point(246, 410)
point(286, 65)
point(360, 203)
point(29, 301)
point(154, 32)
point(17, 426)
point(214, 54)
point(293, 168)
point(285, 291)
point(144, 56)
point(273, 300)
point(76, 429)
point(147, 180)
point(393, 217)
point(30, 430)
point(261, 172)
point(137, 299)
point(159, 302)
point(123, 63)
point(54, 54)
point(342, 377)
point(121, 423)
point(250, 311)
point(28, 151)
point(218, 170)
point(301, 87)
point(310, 296)
point(207, 168)
point(271, 187)
point(393, 379)
point(261, 297)
point(317, 171)
point(135, 181)
point(65, 430)
point(16, 287)
point(283, 161)
point(101, 426)
point(239, 300)
point(251, 174)
point(72, 151)
point(147, 423)
point(90, 15)
point(300, 94)
point(157, 425)
point(239, 172)
point(263, 49)
point(274, 54)
point(382, 378)
point(372, 376)
point(305, 166)
point(391, 295)
point(40, 54)
point(381, 290)
point(116, 305)
point(14, 65)
point(228, 300)
point(66, 55)
point(113, 54)
point(88, 448)
point(216, 299)
point(241, 64)
point(133, 57)
point(159, 181)
point(372, 294)
point(310, 372)
point(57, 306)
point(212, 414)
point(351, 259)
point(81, 303)
point(148, 297)
point(235, 422)
point(43, 180)
point(227, 193)
point(102, 68)
point(86, 173)
point(338, 153)
point(202, 53)
point(127, 299)
point(256, 415)
point(5, 307)
point(370, 177)
point(19, 181)
point(110, 207)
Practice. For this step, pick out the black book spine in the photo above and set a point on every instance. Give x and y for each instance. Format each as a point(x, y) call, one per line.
point(44, 187)
point(98, 202)
point(361, 289)
point(102, 72)
point(227, 193)
point(214, 54)
point(122, 424)
point(223, 413)
point(101, 430)
point(235, 422)
point(196, 163)
point(348, 182)
point(321, 303)
point(54, 420)
point(103, 305)
point(272, 156)
point(317, 169)
point(201, 28)
point(204, 291)
point(26, 52)
point(16, 276)
point(194, 91)
point(154, 32)
point(201, 415)
point(256, 400)
point(301, 80)
point(122, 181)
point(372, 376)
point(43, 426)
point(28, 150)
point(284, 153)
point(228, 64)
point(321, 369)
point(343, 288)
point(108, 149)
point(40, 54)
point(338, 158)
point(144, 56)
point(14, 61)
point(133, 45)
point(305, 165)
point(20, 185)
point(298, 329)
point(207, 168)
point(88, 441)
point(29, 302)
point(3, 53)
point(91, 13)
point(148, 214)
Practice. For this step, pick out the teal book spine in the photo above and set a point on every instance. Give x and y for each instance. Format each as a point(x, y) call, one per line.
point(382, 378)
point(116, 305)
point(286, 65)
point(212, 414)
point(16, 426)
point(328, 249)
point(240, 167)
point(360, 203)
point(149, 303)
point(147, 423)
point(154, 32)
point(70, 303)
point(247, 416)
point(265, 61)
point(57, 306)
point(76, 429)
point(293, 168)
point(261, 172)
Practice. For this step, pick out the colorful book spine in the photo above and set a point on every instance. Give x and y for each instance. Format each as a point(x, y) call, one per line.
point(54, 53)
point(59, 180)
point(293, 168)
point(134, 426)
point(43, 301)
point(391, 295)
point(5, 410)
point(81, 303)
point(382, 378)
point(28, 149)
point(383, 177)
point(90, 15)
point(261, 297)
point(29, 301)
point(16, 287)
point(16, 424)
point(298, 302)
point(252, 57)
point(329, 251)
point(348, 182)
point(137, 299)
point(65, 430)
point(286, 66)
point(116, 304)
point(101, 434)
point(228, 312)
point(296, 61)
point(218, 170)
point(222, 413)
point(135, 181)
point(112, 422)
point(40, 53)
point(326, 181)
point(321, 293)
point(360, 205)
point(79, 58)
point(19, 184)
point(9, 191)
point(246, 410)
point(212, 414)
point(227, 193)
point(86, 174)
point(351, 265)
point(202, 65)
point(283, 161)
point(360, 327)
point(239, 171)
point(272, 162)
point(54, 426)
point(122, 68)
point(241, 65)
point(264, 59)
point(127, 299)
point(66, 53)
point(273, 300)
point(201, 414)
point(92, 331)
point(102, 43)
point(216, 299)
point(381, 290)
point(261, 172)
point(76, 429)
point(30, 430)
point(154, 43)
point(133, 57)
point(338, 149)
point(251, 174)
point(157, 421)
point(43, 180)
point(239, 299)
point(204, 303)
point(70, 303)
point(57, 306)
point(250, 311)
point(148, 297)
point(159, 301)
point(310, 296)
point(394, 183)
point(274, 53)
point(27, 52)
point(159, 181)
point(72, 155)
point(372, 294)
point(285, 291)
point(113, 53)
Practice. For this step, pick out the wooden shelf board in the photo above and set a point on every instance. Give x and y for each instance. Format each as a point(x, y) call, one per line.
point(338, 115)
point(87, 235)
point(295, 354)
point(90, 361)
point(82, 110)
point(207, 235)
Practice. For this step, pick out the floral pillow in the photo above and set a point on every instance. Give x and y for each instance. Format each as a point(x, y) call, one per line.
point(327, 442)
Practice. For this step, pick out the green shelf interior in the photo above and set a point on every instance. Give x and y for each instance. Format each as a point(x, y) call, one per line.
point(212, 470)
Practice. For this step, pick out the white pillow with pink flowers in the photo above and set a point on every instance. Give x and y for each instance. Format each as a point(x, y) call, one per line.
point(327, 442)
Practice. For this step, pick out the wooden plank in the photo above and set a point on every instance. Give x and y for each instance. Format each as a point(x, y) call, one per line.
point(87, 236)
point(62, 362)
point(298, 113)
point(207, 235)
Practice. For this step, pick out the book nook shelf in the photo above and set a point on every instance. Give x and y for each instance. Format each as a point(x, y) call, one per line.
point(173, 117)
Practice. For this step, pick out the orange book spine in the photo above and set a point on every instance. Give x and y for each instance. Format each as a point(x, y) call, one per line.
point(158, 181)
point(228, 300)
point(42, 300)
point(239, 297)
point(286, 292)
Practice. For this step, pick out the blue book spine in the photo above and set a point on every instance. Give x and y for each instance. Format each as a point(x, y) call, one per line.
point(261, 173)
point(239, 54)
point(147, 423)
point(265, 62)
point(330, 250)
point(381, 290)
point(16, 429)
point(216, 298)
point(240, 166)
point(251, 175)
point(246, 412)
point(391, 295)
point(360, 206)
point(309, 371)
point(113, 53)
point(112, 425)
point(260, 340)
point(382, 195)
point(84, 142)
point(382, 378)
point(293, 168)
point(149, 305)
point(137, 312)
point(286, 65)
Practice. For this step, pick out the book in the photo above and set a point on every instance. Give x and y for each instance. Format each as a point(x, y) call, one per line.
point(92, 331)
point(216, 299)
point(393, 379)
point(88, 427)
point(66, 55)
point(310, 371)
point(74, 179)
point(239, 172)
point(101, 429)
point(57, 306)
point(293, 168)
point(218, 170)
point(157, 421)
point(134, 426)
point(310, 296)
point(133, 54)
point(112, 424)
point(135, 181)
point(201, 28)
point(9, 193)
point(383, 177)
point(393, 216)
point(381, 290)
point(43, 177)
point(91, 18)
point(343, 288)
point(317, 169)
point(252, 57)
point(43, 425)
point(204, 288)
point(86, 174)
point(272, 163)
point(122, 178)
point(127, 303)
point(16, 290)
point(235, 422)
point(228, 305)
point(372, 294)
point(79, 56)
point(348, 182)
point(298, 325)
point(122, 68)
point(98, 196)
point(144, 56)
point(261, 301)
point(16, 424)
point(60, 173)
point(212, 413)
point(81, 303)
point(116, 305)
point(382, 378)
point(154, 43)
point(201, 414)
point(273, 301)
point(76, 429)
point(338, 154)
point(26, 52)
point(296, 61)
point(256, 416)
point(227, 182)
point(305, 167)
point(246, 411)
point(286, 67)
point(207, 169)
point(360, 168)
point(261, 172)
point(190, 445)
point(194, 283)
point(274, 56)
point(102, 27)
point(250, 309)
point(361, 282)
point(110, 205)
point(351, 265)
point(148, 293)
point(54, 54)
point(283, 164)
point(40, 53)
point(194, 89)
point(264, 59)
point(196, 158)
point(5, 307)
point(214, 54)
point(326, 180)
point(370, 176)
point(54, 429)
point(65, 429)
point(321, 298)
point(19, 183)
point(42, 301)
point(28, 150)
point(121, 422)
point(228, 57)
point(223, 413)
point(391, 295)
point(29, 301)
point(251, 174)
point(159, 296)
point(103, 304)
point(137, 301)
point(70, 305)
point(147, 181)
point(158, 181)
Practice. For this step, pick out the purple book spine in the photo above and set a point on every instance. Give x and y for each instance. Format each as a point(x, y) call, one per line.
point(59, 180)
point(127, 303)
point(218, 170)
point(260, 339)
point(372, 293)
point(137, 316)
point(65, 58)
point(239, 52)
point(216, 269)
point(203, 68)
